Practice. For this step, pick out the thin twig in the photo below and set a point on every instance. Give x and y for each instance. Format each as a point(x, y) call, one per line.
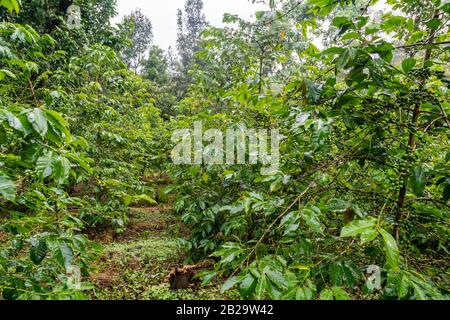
point(270, 228)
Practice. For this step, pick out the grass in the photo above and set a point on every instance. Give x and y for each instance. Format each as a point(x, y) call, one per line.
point(136, 265)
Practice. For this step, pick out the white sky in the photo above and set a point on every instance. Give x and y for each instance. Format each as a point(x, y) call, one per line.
point(163, 14)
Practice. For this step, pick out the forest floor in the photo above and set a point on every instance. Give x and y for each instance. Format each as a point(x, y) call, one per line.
point(135, 265)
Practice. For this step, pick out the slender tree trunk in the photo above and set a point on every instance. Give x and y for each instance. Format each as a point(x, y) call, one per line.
point(261, 69)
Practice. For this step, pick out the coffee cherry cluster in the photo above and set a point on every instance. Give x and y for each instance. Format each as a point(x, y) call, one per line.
point(420, 73)
point(439, 74)
point(417, 96)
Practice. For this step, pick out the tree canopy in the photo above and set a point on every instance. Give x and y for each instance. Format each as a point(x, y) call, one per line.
point(358, 207)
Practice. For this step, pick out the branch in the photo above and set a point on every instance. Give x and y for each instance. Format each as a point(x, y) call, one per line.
point(282, 16)
point(270, 228)
point(33, 93)
point(422, 44)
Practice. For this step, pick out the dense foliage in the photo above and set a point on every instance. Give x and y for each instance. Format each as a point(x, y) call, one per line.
point(361, 98)
point(365, 154)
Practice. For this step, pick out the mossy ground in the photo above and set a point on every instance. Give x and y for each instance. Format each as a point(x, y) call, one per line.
point(135, 266)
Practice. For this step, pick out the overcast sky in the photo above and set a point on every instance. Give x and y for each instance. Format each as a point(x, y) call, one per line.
point(163, 14)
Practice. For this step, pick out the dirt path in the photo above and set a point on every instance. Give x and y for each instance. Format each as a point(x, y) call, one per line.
point(136, 264)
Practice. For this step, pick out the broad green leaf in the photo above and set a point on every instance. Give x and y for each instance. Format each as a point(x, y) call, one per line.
point(408, 64)
point(38, 120)
point(4, 72)
point(7, 188)
point(230, 283)
point(340, 294)
point(326, 294)
point(38, 251)
point(247, 285)
point(418, 180)
point(44, 165)
point(261, 287)
point(61, 169)
point(63, 254)
point(311, 218)
point(393, 23)
point(351, 35)
point(340, 21)
point(16, 4)
point(358, 227)
point(403, 286)
point(345, 58)
point(391, 249)
point(13, 121)
point(338, 205)
point(8, 4)
point(207, 277)
point(369, 235)
point(306, 293)
point(434, 24)
point(416, 36)
point(276, 276)
point(59, 122)
point(276, 185)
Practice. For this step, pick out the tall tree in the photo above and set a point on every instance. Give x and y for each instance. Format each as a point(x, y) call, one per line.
point(190, 23)
point(156, 66)
point(139, 29)
point(51, 17)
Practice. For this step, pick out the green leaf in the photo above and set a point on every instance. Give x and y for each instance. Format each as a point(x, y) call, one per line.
point(38, 120)
point(340, 294)
point(351, 35)
point(248, 285)
point(326, 294)
point(357, 227)
point(208, 276)
point(368, 236)
point(44, 165)
point(7, 188)
point(418, 180)
point(306, 293)
point(391, 249)
point(311, 217)
point(340, 21)
point(416, 36)
point(13, 121)
point(63, 254)
point(403, 286)
point(38, 251)
point(434, 24)
point(393, 23)
point(16, 4)
point(338, 205)
point(276, 185)
point(4, 72)
point(230, 283)
point(8, 4)
point(276, 276)
point(261, 287)
point(61, 169)
point(59, 122)
point(408, 64)
point(345, 58)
